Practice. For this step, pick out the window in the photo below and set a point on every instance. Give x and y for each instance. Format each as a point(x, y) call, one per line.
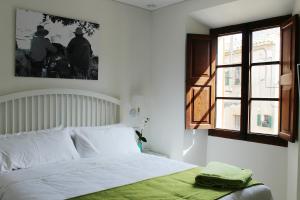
point(228, 98)
point(246, 85)
point(264, 80)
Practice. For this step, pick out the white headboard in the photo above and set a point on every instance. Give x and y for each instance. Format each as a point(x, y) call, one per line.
point(42, 109)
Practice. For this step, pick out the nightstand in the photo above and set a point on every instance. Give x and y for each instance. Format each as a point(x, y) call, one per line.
point(151, 152)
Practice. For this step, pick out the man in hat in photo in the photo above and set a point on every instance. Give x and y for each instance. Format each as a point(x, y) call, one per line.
point(79, 53)
point(38, 51)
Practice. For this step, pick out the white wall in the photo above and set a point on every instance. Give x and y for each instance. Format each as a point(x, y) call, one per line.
point(170, 25)
point(293, 171)
point(296, 7)
point(267, 162)
point(144, 54)
point(168, 134)
point(125, 36)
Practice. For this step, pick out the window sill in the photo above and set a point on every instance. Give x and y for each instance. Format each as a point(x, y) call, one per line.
point(257, 138)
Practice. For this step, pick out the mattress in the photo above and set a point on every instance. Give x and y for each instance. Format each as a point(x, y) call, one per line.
point(65, 180)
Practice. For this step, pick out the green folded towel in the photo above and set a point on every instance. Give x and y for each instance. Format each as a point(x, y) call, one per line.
point(217, 174)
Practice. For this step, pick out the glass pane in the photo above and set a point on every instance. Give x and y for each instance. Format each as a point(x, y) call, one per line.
point(228, 114)
point(230, 49)
point(266, 45)
point(264, 117)
point(229, 82)
point(265, 81)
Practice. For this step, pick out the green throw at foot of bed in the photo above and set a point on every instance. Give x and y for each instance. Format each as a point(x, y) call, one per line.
point(172, 187)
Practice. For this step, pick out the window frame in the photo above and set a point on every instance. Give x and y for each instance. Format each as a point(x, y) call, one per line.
point(246, 29)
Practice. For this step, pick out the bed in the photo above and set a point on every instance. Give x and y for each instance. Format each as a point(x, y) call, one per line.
point(89, 172)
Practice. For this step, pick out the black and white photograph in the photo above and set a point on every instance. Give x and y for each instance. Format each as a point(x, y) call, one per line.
point(49, 46)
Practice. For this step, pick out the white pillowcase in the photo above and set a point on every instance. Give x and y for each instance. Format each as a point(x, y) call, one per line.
point(84, 147)
point(20, 151)
point(58, 128)
point(111, 141)
point(78, 130)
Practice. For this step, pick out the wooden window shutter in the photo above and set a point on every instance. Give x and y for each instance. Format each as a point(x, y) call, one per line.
point(288, 81)
point(200, 82)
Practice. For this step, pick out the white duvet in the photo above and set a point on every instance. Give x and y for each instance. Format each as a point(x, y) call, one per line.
point(78, 177)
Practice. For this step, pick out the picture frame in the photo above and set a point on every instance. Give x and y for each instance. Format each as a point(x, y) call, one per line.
point(298, 78)
point(50, 46)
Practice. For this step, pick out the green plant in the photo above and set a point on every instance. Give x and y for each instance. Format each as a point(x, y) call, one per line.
point(140, 136)
point(139, 132)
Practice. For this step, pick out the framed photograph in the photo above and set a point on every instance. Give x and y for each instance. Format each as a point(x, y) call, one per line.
point(298, 77)
point(49, 46)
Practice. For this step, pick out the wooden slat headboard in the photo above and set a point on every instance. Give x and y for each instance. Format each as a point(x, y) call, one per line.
point(42, 109)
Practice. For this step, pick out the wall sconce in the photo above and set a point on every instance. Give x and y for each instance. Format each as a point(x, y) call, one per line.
point(136, 106)
point(133, 112)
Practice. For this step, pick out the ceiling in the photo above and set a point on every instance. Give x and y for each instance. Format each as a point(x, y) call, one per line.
point(150, 4)
point(241, 11)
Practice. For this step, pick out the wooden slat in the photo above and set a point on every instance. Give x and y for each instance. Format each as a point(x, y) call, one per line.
point(100, 112)
point(13, 115)
point(26, 114)
point(72, 110)
point(62, 110)
point(67, 110)
point(56, 110)
point(82, 111)
point(20, 126)
point(96, 117)
point(6, 117)
point(32, 113)
point(105, 112)
point(92, 112)
point(78, 110)
point(45, 113)
point(51, 107)
point(86, 111)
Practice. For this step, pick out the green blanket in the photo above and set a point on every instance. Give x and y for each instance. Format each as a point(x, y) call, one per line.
point(217, 174)
point(171, 187)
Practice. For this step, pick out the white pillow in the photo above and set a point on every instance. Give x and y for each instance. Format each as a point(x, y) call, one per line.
point(3, 158)
point(84, 147)
point(106, 142)
point(78, 130)
point(58, 128)
point(20, 151)
point(72, 130)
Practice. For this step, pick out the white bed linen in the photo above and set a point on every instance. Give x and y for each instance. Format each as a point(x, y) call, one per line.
point(78, 177)
point(92, 141)
point(25, 150)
